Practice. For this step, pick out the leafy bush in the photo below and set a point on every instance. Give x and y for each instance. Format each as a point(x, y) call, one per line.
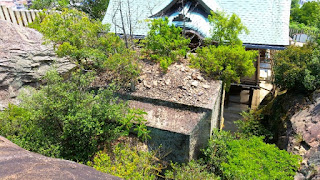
point(249, 158)
point(127, 163)
point(302, 27)
point(217, 150)
point(253, 159)
point(251, 125)
point(192, 170)
point(64, 120)
point(225, 29)
point(225, 62)
point(124, 68)
point(75, 35)
point(297, 68)
point(165, 43)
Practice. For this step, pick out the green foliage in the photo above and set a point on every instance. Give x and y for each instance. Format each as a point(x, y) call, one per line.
point(216, 152)
point(308, 14)
point(251, 125)
point(225, 29)
point(192, 170)
point(17, 125)
point(253, 159)
point(127, 163)
point(298, 68)
point(295, 4)
point(249, 158)
point(49, 4)
point(94, 8)
point(165, 43)
point(124, 68)
point(310, 30)
point(64, 120)
point(75, 35)
point(228, 63)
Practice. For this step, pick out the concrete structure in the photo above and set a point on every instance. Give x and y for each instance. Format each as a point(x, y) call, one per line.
point(183, 108)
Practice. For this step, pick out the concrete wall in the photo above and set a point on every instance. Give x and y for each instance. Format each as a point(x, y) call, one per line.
point(217, 112)
point(182, 147)
point(171, 146)
point(199, 136)
point(203, 131)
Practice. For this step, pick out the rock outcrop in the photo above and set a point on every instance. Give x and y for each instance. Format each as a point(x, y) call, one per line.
point(304, 138)
point(17, 163)
point(24, 59)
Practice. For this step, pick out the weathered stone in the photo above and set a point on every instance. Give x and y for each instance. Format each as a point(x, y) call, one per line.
point(155, 83)
point(24, 59)
point(167, 81)
point(206, 86)
point(146, 84)
point(17, 163)
point(200, 78)
point(194, 76)
point(307, 124)
point(195, 83)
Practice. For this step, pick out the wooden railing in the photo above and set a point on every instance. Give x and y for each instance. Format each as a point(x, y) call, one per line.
point(19, 17)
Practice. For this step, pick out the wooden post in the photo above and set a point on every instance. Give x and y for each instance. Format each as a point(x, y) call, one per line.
point(13, 17)
point(250, 97)
point(6, 13)
point(2, 14)
point(19, 19)
point(24, 18)
point(33, 15)
point(28, 16)
point(258, 70)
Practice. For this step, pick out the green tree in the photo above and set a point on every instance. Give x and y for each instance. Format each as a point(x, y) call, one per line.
point(75, 35)
point(94, 8)
point(308, 14)
point(225, 28)
point(295, 4)
point(88, 43)
point(49, 4)
point(249, 158)
point(298, 68)
point(165, 43)
point(63, 119)
point(228, 63)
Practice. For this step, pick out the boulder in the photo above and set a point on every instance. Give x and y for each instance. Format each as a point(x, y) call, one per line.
point(304, 138)
point(18, 163)
point(24, 59)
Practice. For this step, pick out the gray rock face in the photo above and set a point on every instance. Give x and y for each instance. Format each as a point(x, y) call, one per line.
point(24, 59)
point(305, 138)
point(17, 163)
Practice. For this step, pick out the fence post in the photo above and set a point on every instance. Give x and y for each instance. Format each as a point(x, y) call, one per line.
point(19, 19)
point(28, 16)
point(13, 17)
point(6, 13)
point(2, 14)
